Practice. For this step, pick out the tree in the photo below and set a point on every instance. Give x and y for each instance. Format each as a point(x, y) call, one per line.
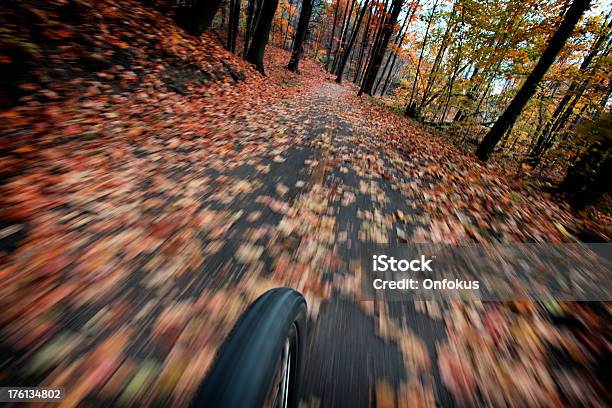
point(198, 17)
point(399, 40)
point(455, 68)
point(300, 35)
point(331, 38)
point(556, 43)
point(574, 91)
point(364, 40)
point(290, 12)
point(255, 54)
point(410, 107)
point(382, 13)
point(343, 31)
point(232, 32)
point(438, 60)
point(378, 53)
point(249, 25)
point(349, 48)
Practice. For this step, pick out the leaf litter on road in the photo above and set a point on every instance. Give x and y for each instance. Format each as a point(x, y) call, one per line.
point(127, 188)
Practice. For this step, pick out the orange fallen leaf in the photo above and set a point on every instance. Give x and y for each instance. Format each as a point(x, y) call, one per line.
point(137, 131)
point(24, 149)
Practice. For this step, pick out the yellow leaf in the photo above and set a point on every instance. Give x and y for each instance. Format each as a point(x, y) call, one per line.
point(562, 230)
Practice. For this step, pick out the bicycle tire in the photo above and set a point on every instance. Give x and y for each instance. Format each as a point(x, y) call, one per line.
point(245, 367)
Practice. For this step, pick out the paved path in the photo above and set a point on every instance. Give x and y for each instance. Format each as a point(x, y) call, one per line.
point(145, 277)
point(335, 196)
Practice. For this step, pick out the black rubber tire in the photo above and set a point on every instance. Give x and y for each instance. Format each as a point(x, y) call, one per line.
point(244, 370)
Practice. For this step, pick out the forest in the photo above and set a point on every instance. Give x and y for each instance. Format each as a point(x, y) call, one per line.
point(163, 163)
point(527, 82)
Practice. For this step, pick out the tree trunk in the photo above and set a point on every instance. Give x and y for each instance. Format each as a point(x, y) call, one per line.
point(351, 43)
point(378, 54)
point(198, 17)
point(352, 53)
point(289, 21)
point(331, 39)
point(458, 57)
point(232, 32)
point(438, 60)
point(300, 35)
point(364, 40)
point(386, 85)
point(376, 39)
point(345, 28)
point(249, 26)
point(547, 137)
point(410, 108)
point(335, 54)
point(318, 44)
point(255, 55)
point(399, 39)
point(258, 7)
point(505, 121)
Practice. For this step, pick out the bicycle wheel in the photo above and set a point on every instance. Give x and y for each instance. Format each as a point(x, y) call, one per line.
point(261, 361)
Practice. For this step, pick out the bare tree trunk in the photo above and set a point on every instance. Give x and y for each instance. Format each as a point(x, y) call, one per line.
point(437, 60)
point(248, 29)
point(232, 32)
point(366, 35)
point(349, 48)
point(300, 35)
point(386, 85)
point(455, 70)
point(410, 108)
point(335, 54)
point(331, 39)
point(343, 33)
point(379, 53)
point(399, 39)
point(255, 55)
point(376, 36)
